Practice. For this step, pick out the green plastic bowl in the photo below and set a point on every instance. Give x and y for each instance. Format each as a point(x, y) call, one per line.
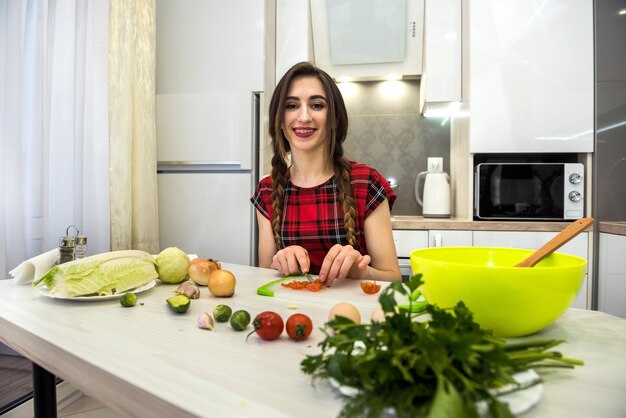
point(510, 301)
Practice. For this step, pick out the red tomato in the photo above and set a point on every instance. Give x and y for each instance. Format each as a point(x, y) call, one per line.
point(268, 325)
point(370, 287)
point(299, 327)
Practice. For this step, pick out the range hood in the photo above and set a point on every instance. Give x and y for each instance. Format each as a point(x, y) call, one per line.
point(356, 40)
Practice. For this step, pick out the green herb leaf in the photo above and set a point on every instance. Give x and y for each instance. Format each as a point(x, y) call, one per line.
point(435, 368)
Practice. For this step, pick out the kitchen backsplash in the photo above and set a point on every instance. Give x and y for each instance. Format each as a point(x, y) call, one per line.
point(387, 131)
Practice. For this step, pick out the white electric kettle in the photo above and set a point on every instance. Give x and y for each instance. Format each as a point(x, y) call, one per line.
point(436, 200)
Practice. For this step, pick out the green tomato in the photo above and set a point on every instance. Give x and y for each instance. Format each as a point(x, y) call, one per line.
point(240, 320)
point(222, 313)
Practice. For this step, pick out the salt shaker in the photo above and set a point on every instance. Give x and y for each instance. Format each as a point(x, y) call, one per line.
point(81, 247)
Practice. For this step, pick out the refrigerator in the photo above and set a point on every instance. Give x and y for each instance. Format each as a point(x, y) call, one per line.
point(207, 173)
point(209, 75)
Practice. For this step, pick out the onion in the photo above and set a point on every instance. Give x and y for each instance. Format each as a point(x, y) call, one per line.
point(200, 270)
point(222, 283)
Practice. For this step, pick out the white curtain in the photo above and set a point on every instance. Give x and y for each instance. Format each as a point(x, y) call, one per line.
point(54, 129)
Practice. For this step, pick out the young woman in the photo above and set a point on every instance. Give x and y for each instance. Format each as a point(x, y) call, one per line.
point(319, 211)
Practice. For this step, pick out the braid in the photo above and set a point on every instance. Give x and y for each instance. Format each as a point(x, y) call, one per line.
point(342, 174)
point(279, 171)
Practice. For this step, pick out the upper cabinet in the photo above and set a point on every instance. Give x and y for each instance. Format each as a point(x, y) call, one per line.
point(440, 86)
point(530, 76)
point(368, 39)
point(199, 49)
point(294, 40)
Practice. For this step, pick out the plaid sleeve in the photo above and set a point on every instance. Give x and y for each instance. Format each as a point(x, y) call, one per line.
point(378, 190)
point(262, 197)
point(370, 189)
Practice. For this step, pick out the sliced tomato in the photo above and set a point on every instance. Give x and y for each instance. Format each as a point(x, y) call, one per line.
point(295, 284)
point(370, 287)
point(314, 287)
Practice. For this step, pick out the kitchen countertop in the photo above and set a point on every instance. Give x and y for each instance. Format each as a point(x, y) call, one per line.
point(617, 228)
point(148, 361)
point(421, 223)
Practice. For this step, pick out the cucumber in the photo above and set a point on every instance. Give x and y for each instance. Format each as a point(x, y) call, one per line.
point(240, 320)
point(179, 303)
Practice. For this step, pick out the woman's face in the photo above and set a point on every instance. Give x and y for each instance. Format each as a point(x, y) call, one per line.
point(306, 112)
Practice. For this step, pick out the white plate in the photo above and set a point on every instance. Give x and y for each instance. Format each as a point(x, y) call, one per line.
point(45, 292)
point(519, 401)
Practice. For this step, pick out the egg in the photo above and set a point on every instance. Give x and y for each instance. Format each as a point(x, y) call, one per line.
point(378, 315)
point(346, 310)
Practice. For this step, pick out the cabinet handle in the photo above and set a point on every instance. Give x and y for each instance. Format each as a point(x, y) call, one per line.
point(437, 240)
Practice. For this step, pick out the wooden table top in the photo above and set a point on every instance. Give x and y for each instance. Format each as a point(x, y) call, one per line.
point(149, 361)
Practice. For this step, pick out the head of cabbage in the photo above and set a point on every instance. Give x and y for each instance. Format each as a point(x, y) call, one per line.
point(172, 264)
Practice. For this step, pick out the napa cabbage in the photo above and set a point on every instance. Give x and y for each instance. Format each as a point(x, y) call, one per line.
point(102, 274)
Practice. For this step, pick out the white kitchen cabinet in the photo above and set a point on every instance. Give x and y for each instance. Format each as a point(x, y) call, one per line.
point(579, 246)
point(294, 40)
point(446, 238)
point(440, 84)
point(202, 49)
point(531, 76)
point(407, 241)
point(612, 274)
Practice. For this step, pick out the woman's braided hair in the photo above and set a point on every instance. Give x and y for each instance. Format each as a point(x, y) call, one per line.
point(337, 129)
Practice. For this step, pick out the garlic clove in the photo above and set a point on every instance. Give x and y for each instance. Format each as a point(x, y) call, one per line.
point(205, 321)
point(189, 289)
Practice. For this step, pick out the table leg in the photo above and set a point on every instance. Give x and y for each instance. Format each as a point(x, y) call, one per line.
point(44, 393)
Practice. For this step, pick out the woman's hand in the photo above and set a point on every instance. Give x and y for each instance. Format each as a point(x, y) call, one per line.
point(292, 259)
point(341, 261)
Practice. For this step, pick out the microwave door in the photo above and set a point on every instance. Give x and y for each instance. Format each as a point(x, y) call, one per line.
point(518, 191)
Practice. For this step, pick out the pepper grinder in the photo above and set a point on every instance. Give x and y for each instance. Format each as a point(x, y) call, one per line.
point(67, 246)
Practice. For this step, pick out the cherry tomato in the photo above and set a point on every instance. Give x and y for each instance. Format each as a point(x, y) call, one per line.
point(268, 325)
point(370, 287)
point(299, 327)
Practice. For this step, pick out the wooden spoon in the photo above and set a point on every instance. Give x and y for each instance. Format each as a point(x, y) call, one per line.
point(555, 243)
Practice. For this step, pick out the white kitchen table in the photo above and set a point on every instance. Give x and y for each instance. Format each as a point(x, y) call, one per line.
point(149, 361)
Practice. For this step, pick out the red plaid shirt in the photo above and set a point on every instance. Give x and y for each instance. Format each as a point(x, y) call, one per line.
point(313, 216)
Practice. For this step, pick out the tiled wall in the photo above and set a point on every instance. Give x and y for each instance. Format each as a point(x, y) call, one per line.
point(387, 132)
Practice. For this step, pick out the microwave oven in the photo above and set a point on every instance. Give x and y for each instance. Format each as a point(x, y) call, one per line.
point(529, 191)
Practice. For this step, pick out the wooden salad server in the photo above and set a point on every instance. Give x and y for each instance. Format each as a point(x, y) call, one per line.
point(555, 243)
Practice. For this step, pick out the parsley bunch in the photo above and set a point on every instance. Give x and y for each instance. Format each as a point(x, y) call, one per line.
point(435, 368)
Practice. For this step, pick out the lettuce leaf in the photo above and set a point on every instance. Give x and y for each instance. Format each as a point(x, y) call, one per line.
point(102, 274)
